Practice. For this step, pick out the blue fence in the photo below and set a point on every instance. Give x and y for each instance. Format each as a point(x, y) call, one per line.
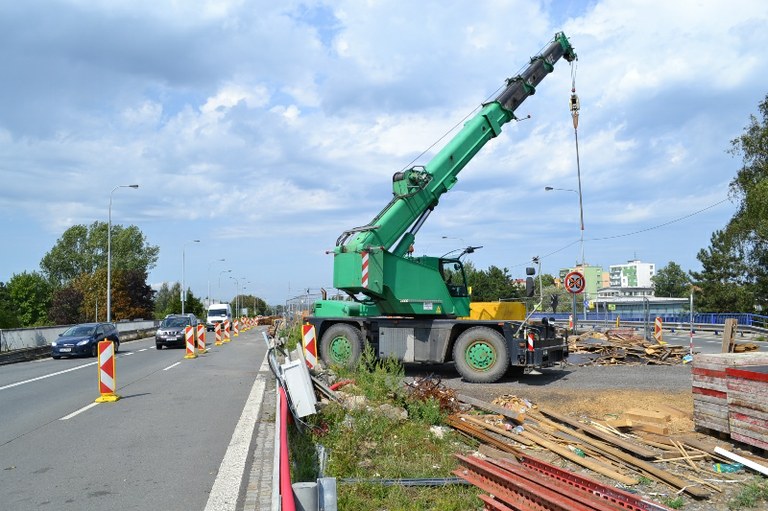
point(710, 318)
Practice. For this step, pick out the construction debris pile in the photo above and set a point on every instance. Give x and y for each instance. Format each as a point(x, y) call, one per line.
point(622, 346)
point(636, 445)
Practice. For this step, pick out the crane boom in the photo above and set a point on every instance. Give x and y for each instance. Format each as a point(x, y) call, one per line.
point(372, 259)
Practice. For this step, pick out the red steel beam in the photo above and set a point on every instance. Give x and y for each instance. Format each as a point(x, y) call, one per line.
point(532, 492)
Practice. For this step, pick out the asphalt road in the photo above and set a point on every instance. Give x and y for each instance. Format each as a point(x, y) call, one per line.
point(160, 446)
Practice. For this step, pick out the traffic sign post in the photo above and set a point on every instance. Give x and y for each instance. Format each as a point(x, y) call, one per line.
point(575, 284)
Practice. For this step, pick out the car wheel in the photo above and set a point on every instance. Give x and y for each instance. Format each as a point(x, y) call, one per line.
point(158, 346)
point(117, 345)
point(95, 350)
point(56, 357)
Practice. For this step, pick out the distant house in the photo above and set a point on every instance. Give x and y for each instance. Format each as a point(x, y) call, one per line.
point(637, 302)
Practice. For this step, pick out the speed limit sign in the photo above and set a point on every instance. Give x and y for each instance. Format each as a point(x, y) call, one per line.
point(574, 282)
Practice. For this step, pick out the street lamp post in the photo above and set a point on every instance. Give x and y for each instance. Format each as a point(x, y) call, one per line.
point(209, 277)
point(109, 252)
point(183, 281)
point(219, 292)
point(237, 290)
point(581, 240)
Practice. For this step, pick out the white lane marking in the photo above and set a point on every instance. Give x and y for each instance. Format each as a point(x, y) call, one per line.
point(226, 487)
point(171, 366)
point(143, 349)
point(128, 353)
point(11, 385)
point(81, 410)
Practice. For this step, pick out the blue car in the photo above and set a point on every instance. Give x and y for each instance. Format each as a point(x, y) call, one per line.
point(83, 340)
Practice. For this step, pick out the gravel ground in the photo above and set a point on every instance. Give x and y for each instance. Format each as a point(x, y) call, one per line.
point(597, 392)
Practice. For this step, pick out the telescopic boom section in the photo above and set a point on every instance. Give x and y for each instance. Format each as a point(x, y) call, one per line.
point(418, 189)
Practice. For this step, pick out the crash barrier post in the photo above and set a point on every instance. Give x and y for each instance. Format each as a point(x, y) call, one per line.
point(217, 331)
point(309, 342)
point(189, 337)
point(658, 334)
point(106, 365)
point(226, 331)
point(201, 338)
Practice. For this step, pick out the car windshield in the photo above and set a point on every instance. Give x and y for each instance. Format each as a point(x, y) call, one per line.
point(174, 322)
point(79, 330)
point(217, 312)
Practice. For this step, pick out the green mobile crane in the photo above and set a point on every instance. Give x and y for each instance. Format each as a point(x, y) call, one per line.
point(409, 307)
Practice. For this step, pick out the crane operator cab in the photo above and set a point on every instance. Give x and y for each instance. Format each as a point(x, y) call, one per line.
point(453, 275)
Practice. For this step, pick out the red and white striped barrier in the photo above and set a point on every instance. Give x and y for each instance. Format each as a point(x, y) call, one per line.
point(201, 338)
point(364, 276)
point(658, 334)
point(309, 342)
point(226, 331)
point(217, 331)
point(236, 329)
point(530, 341)
point(106, 365)
point(189, 337)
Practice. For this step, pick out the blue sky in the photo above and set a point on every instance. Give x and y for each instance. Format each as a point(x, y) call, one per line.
point(265, 129)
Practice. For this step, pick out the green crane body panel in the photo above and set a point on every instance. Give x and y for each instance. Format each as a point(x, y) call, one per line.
point(393, 282)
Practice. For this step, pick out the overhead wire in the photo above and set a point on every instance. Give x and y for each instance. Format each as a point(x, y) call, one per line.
point(615, 236)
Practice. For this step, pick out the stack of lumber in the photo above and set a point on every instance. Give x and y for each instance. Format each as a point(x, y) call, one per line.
point(598, 449)
point(713, 405)
point(623, 346)
point(748, 404)
point(657, 420)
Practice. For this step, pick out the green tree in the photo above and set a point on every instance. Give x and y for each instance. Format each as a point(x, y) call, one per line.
point(492, 284)
point(30, 296)
point(724, 279)
point(168, 301)
point(748, 229)
point(8, 318)
point(83, 249)
point(163, 301)
point(131, 296)
point(672, 281)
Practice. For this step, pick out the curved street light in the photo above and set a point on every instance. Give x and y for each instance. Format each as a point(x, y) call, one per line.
point(209, 277)
point(183, 282)
point(109, 252)
point(219, 292)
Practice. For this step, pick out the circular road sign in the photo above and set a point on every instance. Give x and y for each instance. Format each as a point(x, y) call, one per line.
point(574, 282)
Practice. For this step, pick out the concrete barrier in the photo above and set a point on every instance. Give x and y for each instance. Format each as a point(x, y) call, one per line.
point(19, 344)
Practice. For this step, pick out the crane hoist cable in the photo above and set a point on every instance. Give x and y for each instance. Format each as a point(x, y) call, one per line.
point(575, 107)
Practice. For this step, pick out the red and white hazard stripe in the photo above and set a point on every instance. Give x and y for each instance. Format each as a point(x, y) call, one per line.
point(201, 338)
point(364, 278)
point(189, 338)
point(309, 342)
point(530, 341)
point(106, 368)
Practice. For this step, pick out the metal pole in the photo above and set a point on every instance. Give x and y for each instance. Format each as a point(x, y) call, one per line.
point(109, 256)
point(690, 348)
point(209, 278)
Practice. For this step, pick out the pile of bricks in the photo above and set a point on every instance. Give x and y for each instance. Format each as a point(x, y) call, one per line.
point(730, 395)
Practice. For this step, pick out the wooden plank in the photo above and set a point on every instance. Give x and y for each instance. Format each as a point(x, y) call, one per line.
point(611, 439)
point(490, 407)
point(729, 332)
point(636, 414)
point(632, 461)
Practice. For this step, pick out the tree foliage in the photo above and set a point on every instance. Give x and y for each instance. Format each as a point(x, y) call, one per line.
point(168, 301)
point(671, 281)
point(724, 281)
point(735, 267)
point(256, 306)
point(491, 285)
point(30, 295)
point(8, 318)
point(83, 250)
point(67, 306)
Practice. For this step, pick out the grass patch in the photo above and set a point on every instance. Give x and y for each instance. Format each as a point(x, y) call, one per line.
point(366, 444)
point(674, 503)
point(754, 492)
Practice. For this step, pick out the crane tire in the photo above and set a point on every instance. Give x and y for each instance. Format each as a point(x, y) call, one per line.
point(341, 345)
point(481, 355)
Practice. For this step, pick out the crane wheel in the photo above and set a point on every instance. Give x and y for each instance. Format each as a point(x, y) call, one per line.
point(341, 345)
point(481, 355)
